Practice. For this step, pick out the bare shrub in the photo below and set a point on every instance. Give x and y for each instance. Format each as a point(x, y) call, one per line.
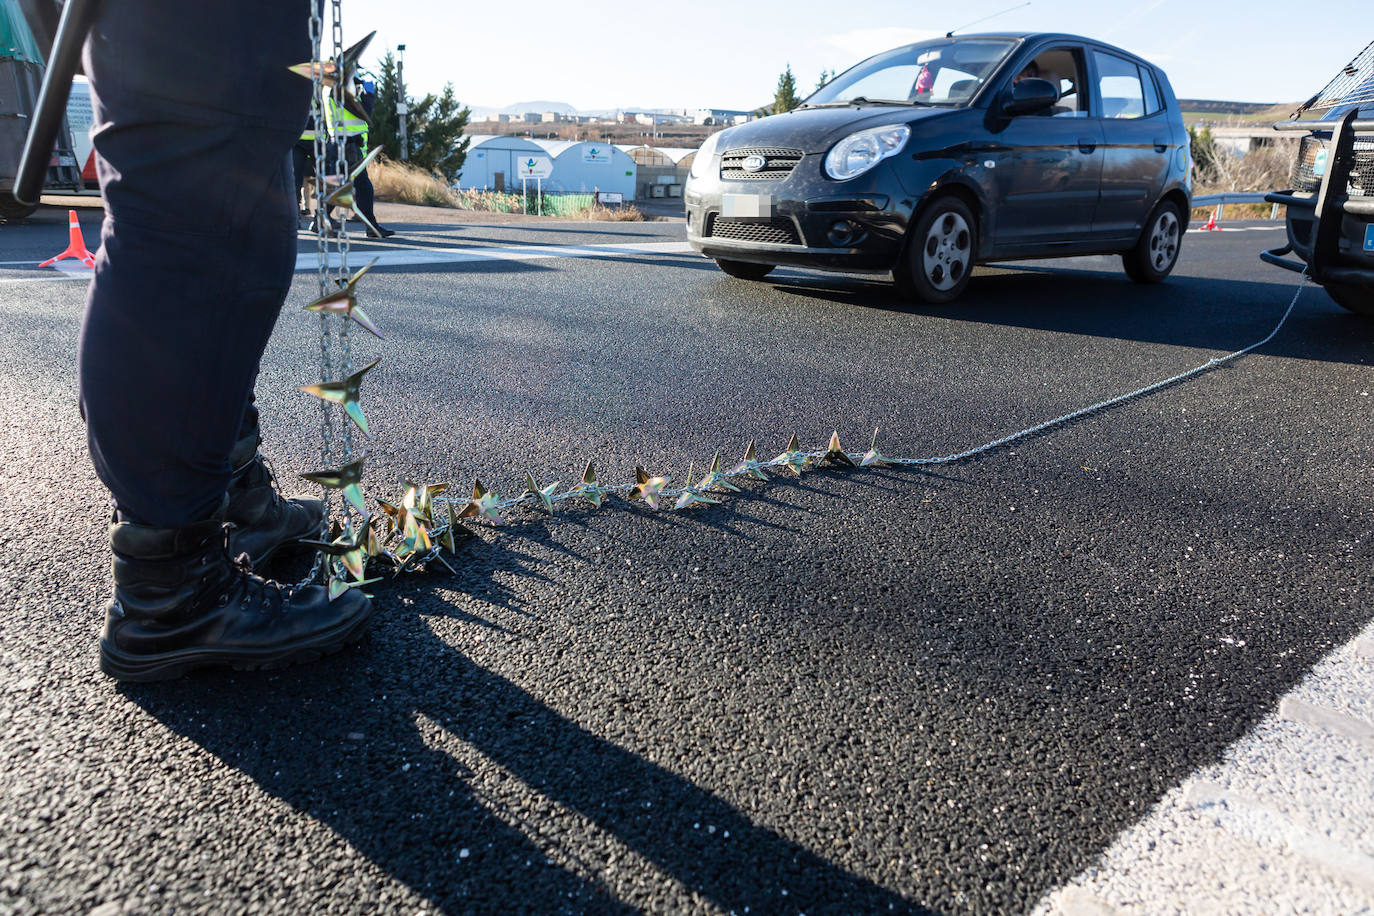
point(402, 183)
point(1263, 168)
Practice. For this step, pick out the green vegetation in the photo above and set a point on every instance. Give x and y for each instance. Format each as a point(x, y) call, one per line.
point(1204, 153)
point(785, 98)
point(434, 127)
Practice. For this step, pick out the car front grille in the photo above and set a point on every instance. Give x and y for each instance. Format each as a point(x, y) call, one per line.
point(1362, 169)
point(775, 231)
point(1305, 177)
point(778, 163)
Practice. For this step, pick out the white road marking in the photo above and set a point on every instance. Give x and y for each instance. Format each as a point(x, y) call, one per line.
point(1280, 825)
point(400, 257)
point(404, 257)
point(59, 272)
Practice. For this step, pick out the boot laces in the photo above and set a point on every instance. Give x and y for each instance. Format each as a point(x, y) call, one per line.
point(267, 594)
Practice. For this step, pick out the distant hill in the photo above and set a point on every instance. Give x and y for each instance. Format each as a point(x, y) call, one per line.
point(1212, 110)
point(1213, 106)
point(538, 106)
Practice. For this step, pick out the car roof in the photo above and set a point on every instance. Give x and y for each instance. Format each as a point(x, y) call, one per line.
point(1027, 37)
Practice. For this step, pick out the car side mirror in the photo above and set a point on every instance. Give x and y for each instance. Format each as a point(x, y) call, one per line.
point(1029, 95)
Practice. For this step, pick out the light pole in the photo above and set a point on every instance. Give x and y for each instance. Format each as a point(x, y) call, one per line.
point(402, 109)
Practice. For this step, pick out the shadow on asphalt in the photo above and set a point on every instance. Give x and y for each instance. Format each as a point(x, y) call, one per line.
point(446, 776)
point(1185, 311)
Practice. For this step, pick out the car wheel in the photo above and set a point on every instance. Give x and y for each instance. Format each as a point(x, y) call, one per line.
point(1358, 299)
point(11, 209)
point(939, 253)
point(744, 270)
point(1154, 256)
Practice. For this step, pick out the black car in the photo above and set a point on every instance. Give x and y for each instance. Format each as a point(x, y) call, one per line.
point(933, 157)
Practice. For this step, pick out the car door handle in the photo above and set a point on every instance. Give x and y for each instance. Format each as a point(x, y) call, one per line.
point(1160, 145)
point(1087, 144)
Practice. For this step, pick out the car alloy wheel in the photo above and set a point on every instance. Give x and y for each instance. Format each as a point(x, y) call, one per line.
point(947, 251)
point(1164, 241)
point(1156, 252)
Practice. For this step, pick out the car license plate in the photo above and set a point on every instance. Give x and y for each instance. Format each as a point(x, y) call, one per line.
point(744, 206)
point(1369, 237)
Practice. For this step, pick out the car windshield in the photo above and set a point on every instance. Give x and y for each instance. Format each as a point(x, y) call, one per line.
point(941, 72)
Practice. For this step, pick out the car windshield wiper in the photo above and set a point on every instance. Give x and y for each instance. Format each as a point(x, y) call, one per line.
point(864, 100)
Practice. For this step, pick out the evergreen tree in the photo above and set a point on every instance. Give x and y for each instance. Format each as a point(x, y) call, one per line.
point(826, 76)
point(386, 124)
point(435, 133)
point(434, 125)
point(785, 98)
point(1204, 152)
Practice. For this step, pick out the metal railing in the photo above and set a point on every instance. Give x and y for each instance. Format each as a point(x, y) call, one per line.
point(1233, 197)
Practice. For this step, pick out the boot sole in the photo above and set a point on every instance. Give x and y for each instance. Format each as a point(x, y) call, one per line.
point(169, 665)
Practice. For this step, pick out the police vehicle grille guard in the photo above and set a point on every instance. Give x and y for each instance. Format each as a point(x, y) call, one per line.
point(1306, 178)
point(775, 231)
point(777, 163)
point(1354, 85)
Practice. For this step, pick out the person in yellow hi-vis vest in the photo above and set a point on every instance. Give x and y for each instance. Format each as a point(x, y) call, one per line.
point(352, 125)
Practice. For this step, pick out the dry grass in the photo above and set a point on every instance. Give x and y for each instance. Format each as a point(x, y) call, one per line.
point(623, 214)
point(401, 183)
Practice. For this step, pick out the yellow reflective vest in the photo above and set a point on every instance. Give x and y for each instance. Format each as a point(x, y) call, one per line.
point(342, 121)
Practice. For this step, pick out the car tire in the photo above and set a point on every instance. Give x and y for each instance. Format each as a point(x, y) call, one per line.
point(13, 210)
point(1357, 299)
point(938, 260)
point(744, 270)
point(1154, 256)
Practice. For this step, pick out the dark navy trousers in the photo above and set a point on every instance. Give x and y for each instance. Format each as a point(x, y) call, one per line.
point(195, 117)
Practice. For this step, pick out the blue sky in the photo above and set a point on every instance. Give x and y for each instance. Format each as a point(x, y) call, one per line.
point(709, 53)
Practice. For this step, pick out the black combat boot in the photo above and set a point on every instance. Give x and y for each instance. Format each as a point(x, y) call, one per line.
point(263, 519)
point(179, 604)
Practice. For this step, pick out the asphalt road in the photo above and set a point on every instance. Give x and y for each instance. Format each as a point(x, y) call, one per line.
point(854, 692)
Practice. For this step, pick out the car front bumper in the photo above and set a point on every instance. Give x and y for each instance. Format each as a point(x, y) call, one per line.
point(800, 221)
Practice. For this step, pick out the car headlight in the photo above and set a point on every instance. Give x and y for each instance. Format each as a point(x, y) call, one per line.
point(702, 162)
point(859, 152)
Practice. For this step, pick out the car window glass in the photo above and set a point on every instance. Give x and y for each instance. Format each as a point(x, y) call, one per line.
point(1152, 103)
point(1118, 84)
point(939, 72)
point(1062, 67)
point(891, 83)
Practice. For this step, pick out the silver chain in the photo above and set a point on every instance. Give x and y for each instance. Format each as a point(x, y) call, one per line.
point(325, 132)
point(345, 367)
point(814, 456)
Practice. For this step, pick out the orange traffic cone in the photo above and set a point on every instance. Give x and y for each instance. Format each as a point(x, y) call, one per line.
point(76, 245)
point(1211, 223)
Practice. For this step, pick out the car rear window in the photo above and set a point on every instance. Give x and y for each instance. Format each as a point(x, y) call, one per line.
point(1125, 89)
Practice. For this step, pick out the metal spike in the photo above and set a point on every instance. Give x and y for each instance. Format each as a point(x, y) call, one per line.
point(344, 301)
point(834, 454)
point(794, 459)
point(544, 494)
point(750, 465)
point(589, 489)
point(484, 503)
point(647, 488)
point(347, 479)
point(345, 394)
point(874, 458)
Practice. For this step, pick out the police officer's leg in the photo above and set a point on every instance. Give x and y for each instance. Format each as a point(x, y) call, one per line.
point(364, 195)
point(198, 252)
